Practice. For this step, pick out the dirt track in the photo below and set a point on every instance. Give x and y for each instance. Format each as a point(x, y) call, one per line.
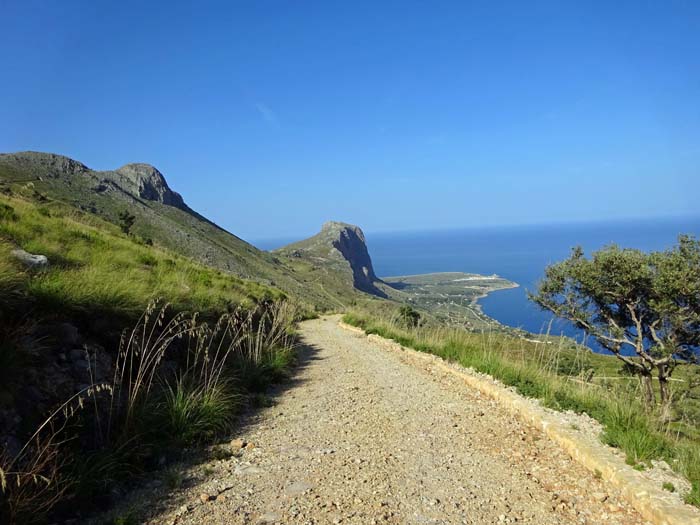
point(367, 435)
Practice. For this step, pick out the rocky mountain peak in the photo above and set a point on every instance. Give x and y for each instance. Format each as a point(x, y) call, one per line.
point(43, 164)
point(148, 183)
point(346, 245)
point(343, 228)
point(350, 241)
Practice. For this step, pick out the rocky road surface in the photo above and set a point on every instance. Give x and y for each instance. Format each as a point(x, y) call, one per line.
point(368, 435)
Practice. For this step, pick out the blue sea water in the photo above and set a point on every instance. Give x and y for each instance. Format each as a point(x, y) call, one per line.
point(516, 253)
point(519, 254)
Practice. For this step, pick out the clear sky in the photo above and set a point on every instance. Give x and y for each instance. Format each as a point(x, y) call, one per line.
point(271, 117)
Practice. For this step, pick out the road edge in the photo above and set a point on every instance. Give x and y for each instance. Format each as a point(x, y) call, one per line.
point(653, 503)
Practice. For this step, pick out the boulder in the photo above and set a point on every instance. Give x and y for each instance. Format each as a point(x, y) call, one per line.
point(30, 260)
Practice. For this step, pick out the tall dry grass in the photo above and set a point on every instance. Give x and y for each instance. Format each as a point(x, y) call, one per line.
point(147, 406)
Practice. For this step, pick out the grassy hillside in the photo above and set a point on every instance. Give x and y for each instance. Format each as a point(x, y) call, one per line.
point(54, 180)
point(60, 330)
point(94, 268)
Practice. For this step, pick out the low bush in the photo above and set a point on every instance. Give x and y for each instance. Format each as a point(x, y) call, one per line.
point(190, 413)
point(7, 213)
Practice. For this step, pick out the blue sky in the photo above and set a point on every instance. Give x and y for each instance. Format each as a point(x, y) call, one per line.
point(272, 117)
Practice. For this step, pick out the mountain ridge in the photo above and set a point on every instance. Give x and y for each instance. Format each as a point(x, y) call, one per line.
point(163, 217)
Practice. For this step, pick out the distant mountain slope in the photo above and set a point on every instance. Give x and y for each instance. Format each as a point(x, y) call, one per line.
point(163, 217)
point(341, 246)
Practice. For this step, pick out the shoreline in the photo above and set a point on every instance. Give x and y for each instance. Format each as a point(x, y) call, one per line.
point(449, 294)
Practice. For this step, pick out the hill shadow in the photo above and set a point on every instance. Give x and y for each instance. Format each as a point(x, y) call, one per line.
point(138, 496)
point(397, 285)
point(306, 354)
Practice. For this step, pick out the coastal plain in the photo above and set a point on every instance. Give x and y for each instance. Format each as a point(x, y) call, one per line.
point(451, 296)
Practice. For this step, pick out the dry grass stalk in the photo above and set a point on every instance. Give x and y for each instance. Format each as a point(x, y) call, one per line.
point(31, 480)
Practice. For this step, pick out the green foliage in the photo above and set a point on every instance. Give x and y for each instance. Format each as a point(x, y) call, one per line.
point(15, 341)
point(126, 221)
point(667, 485)
point(271, 368)
point(7, 213)
point(628, 428)
point(573, 364)
point(173, 478)
point(627, 299)
point(260, 400)
point(95, 471)
point(190, 413)
point(150, 410)
point(409, 317)
point(148, 259)
point(95, 271)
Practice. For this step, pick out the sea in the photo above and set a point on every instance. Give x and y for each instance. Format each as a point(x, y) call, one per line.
point(518, 253)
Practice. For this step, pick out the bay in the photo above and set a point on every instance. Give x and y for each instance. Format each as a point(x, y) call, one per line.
point(518, 253)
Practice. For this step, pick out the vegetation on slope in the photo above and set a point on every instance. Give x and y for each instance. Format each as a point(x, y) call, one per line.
point(112, 252)
point(94, 268)
point(161, 217)
point(634, 303)
point(175, 381)
point(568, 379)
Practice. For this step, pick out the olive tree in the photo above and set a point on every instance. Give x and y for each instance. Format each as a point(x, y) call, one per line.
point(645, 303)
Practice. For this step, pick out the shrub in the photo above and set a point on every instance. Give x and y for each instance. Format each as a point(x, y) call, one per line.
point(7, 213)
point(148, 259)
point(409, 317)
point(190, 413)
point(126, 221)
point(173, 478)
point(627, 428)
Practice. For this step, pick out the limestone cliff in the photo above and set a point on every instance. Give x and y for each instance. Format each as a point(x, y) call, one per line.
point(146, 182)
point(342, 246)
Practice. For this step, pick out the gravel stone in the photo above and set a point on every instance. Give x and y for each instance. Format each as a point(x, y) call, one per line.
point(363, 434)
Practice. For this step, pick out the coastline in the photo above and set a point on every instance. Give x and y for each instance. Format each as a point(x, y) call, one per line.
point(452, 296)
point(477, 305)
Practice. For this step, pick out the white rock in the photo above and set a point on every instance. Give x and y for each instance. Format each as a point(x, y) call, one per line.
point(30, 260)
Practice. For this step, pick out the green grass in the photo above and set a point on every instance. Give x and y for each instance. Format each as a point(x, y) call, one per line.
point(150, 412)
point(97, 270)
point(97, 273)
point(173, 478)
point(542, 371)
point(189, 413)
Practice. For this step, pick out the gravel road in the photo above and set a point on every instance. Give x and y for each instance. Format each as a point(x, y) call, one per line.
point(368, 435)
